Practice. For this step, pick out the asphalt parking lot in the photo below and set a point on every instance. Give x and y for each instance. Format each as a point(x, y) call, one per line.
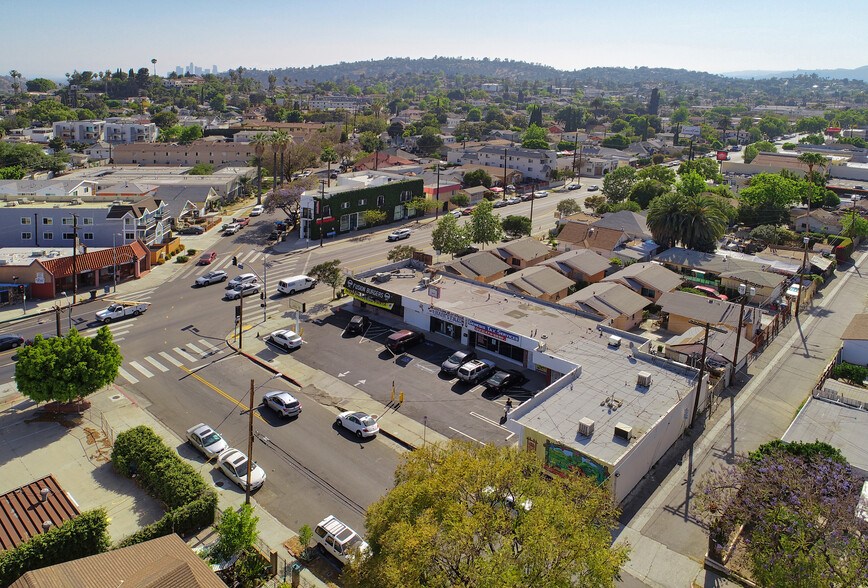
point(446, 404)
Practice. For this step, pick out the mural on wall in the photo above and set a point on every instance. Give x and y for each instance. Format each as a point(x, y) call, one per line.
point(560, 459)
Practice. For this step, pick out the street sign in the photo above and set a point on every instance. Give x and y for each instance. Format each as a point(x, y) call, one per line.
point(722, 156)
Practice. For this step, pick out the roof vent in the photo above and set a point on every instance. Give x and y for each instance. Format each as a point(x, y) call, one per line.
point(614, 341)
point(46, 525)
point(586, 427)
point(44, 493)
point(624, 431)
point(644, 379)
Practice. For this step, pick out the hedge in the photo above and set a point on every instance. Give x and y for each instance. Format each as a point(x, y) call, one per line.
point(141, 454)
point(80, 537)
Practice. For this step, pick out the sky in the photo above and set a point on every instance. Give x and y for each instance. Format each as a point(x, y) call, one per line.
point(719, 36)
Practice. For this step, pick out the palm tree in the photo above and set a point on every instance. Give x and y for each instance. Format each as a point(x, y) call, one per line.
point(154, 63)
point(377, 107)
point(259, 142)
point(811, 159)
point(329, 156)
point(274, 142)
point(16, 75)
point(664, 219)
point(281, 140)
point(703, 222)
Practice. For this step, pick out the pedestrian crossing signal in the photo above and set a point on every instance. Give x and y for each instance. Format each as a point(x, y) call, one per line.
point(234, 260)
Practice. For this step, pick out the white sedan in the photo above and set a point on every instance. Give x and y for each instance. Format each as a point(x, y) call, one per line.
point(283, 403)
point(206, 440)
point(257, 210)
point(242, 290)
point(242, 279)
point(360, 423)
point(232, 229)
point(234, 464)
point(286, 339)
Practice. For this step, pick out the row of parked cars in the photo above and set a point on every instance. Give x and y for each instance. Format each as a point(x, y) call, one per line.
point(248, 284)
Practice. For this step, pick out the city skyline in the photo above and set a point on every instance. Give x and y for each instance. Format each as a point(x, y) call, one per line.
point(776, 35)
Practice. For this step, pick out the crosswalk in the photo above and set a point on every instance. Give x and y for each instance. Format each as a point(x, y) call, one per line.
point(279, 266)
point(189, 355)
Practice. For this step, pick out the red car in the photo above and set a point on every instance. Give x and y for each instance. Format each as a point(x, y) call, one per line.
point(241, 221)
point(207, 258)
point(467, 211)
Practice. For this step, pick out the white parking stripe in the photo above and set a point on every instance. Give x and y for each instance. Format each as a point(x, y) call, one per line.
point(142, 369)
point(183, 354)
point(170, 359)
point(128, 376)
point(196, 349)
point(208, 346)
point(156, 364)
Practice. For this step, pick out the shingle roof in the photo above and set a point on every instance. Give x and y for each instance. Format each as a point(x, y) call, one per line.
point(650, 274)
point(94, 260)
point(608, 299)
point(722, 344)
point(536, 281)
point(857, 330)
point(527, 249)
point(482, 264)
point(702, 308)
point(591, 237)
point(583, 260)
point(165, 562)
point(22, 511)
point(137, 209)
point(754, 277)
point(624, 220)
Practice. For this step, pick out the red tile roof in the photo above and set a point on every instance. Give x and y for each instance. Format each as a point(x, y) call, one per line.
point(93, 260)
point(22, 511)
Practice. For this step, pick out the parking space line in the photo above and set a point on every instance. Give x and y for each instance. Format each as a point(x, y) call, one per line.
point(468, 436)
point(128, 376)
point(491, 422)
point(170, 359)
point(156, 364)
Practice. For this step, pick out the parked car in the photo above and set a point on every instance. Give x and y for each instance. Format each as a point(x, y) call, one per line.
point(456, 213)
point(338, 539)
point(476, 370)
point(242, 279)
point(468, 211)
point(207, 258)
point(243, 290)
point(231, 229)
point(283, 403)
point(360, 423)
point(11, 341)
point(286, 339)
point(333, 175)
point(711, 292)
point(234, 464)
point(451, 364)
point(541, 194)
point(514, 200)
point(593, 188)
point(398, 235)
point(192, 230)
point(793, 290)
point(499, 204)
point(211, 278)
point(467, 251)
point(574, 187)
point(358, 324)
point(206, 440)
point(527, 197)
point(400, 341)
point(504, 380)
point(241, 222)
point(257, 210)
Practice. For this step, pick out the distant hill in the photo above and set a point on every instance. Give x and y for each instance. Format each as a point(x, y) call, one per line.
point(859, 73)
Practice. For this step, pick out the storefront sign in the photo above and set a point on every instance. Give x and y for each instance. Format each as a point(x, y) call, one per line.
point(372, 295)
point(492, 332)
point(446, 316)
point(40, 278)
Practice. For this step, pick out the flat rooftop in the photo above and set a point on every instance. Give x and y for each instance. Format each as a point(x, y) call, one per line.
point(25, 255)
point(111, 175)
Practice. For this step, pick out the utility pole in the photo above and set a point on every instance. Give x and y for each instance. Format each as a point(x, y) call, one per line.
point(742, 289)
point(707, 326)
point(532, 198)
point(57, 318)
point(807, 240)
point(74, 256)
point(321, 205)
point(240, 323)
point(437, 195)
point(264, 286)
point(504, 173)
point(249, 446)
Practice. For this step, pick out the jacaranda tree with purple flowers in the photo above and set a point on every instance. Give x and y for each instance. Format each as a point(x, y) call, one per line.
point(797, 503)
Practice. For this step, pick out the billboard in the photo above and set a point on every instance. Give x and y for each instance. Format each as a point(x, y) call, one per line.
point(373, 295)
point(691, 131)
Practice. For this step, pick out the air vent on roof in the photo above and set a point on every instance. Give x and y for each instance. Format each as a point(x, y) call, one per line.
point(614, 341)
point(37, 253)
point(644, 379)
point(586, 427)
point(624, 431)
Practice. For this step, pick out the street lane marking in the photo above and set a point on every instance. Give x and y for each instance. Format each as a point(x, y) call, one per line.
point(128, 376)
point(170, 359)
point(255, 257)
point(223, 394)
point(142, 369)
point(196, 349)
point(468, 436)
point(183, 354)
point(210, 347)
point(156, 364)
point(246, 257)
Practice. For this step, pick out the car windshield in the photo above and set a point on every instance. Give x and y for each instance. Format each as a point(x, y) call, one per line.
point(210, 439)
point(499, 377)
point(456, 357)
point(367, 421)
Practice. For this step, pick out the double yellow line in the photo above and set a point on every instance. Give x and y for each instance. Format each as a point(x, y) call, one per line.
point(223, 394)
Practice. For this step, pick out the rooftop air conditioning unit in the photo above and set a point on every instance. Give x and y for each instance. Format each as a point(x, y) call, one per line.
point(586, 427)
point(614, 341)
point(38, 253)
point(624, 431)
point(426, 281)
point(644, 379)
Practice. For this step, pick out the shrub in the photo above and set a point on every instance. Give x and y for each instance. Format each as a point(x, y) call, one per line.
point(855, 374)
point(182, 259)
point(191, 516)
point(181, 247)
point(192, 252)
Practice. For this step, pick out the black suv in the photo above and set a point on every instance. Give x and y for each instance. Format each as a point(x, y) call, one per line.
point(358, 324)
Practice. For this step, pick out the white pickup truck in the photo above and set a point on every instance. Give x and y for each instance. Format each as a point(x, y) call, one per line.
point(120, 309)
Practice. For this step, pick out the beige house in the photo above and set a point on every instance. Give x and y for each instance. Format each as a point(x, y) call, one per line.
point(583, 236)
point(680, 308)
point(648, 279)
point(540, 282)
point(618, 304)
point(580, 265)
point(482, 266)
point(523, 253)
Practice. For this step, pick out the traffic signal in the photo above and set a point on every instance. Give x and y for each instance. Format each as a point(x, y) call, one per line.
point(234, 260)
point(262, 295)
point(21, 289)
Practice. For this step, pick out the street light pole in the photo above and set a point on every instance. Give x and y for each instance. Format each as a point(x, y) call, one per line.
point(249, 447)
point(321, 205)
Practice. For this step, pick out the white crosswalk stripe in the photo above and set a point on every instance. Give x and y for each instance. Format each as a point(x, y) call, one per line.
point(208, 346)
point(142, 369)
point(128, 376)
point(170, 359)
point(183, 354)
point(156, 364)
point(255, 257)
point(245, 257)
point(197, 350)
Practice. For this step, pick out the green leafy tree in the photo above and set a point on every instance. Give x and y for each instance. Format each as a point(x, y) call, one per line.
point(484, 224)
point(373, 217)
point(644, 191)
point(395, 130)
point(450, 237)
point(460, 199)
point(618, 183)
point(754, 149)
point(465, 515)
point(68, 368)
point(771, 234)
point(218, 103)
point(534, 113)
point(15, 172)
point(429, 141)
point(813, 140)
point(401, 252)
point(190, 134)
point(853, 374)
point(594, 202)
point(708, 168)
point(474, 115)
point(516, 225)
point(854, 225)
point(665, 175)
point(201, 169)
point(812, 124)
point(164, 119)
point(40, 85)
point(616, 141)
point(371, 142)
point(330, 273)
point(535, 138)
point(477, 177)
point(567, 207)
point(617, 207)
point(236, 533)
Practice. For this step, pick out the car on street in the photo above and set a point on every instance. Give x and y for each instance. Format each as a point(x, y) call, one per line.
point(456, 213)
point(211, 278)
point(286, 339)
point(468, 211)
point(283, 403)
point(242, 279)
point(451, 364)
point(541, 194)
point(593, 188)
point(402, 340)
point(207, 258)
point(398, 235)
point(358, 325)
point(206, 440)
point(231, 229)
point(467, 251)
point(233, 462)
point(504, 380)
point(359, 423)
point(499, 204)
point(257, 210)
point(241, 222)
point(243, 290)
point(527, 197)
point(514, 200)
point(574, 187)
point(192, 230)
point(11, 341)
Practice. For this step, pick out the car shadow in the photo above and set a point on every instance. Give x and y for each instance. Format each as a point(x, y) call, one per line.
point(272, 418)
point(462, 388)
point(350, 436)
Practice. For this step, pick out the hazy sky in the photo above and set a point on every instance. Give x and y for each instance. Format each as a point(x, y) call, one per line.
point(51, 38)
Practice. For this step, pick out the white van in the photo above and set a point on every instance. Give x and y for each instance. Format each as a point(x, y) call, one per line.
point(338, 539)
point(295, 284)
